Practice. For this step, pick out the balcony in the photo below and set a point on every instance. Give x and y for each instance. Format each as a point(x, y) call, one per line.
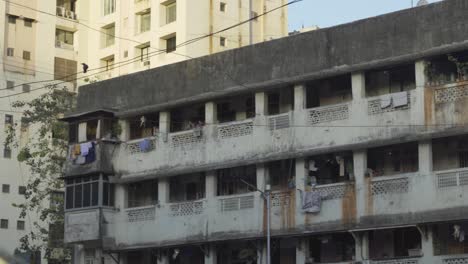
point(66, 13)
point(63, 45)
point(141, 5)
point(397, 261)
point(87, 225)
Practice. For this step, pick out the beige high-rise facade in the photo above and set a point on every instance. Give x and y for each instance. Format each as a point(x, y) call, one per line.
point(48, 40)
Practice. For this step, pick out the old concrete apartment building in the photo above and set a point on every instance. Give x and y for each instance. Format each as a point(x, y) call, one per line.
point(48, 40)
point(358, 130)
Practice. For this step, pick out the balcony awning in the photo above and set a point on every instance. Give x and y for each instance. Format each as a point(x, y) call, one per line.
point(381, 228)
point(79, 116)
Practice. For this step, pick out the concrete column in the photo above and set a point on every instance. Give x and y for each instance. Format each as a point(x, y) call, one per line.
point(358, 83)
point(365, 246)
point(211, 113)
point(300, 93)
point(163, 190)
point(261, 104)
point(125, 134)
point(211, 184)
point(211, 258)
point(425, 157)
point(427, 247)
point(360, 170)
point(262, 254)
point(163, 260)
point(121, 196)
point(420, 68)
point(164, 124)
point(302, 251)
point(261, 176)
point(301, 175)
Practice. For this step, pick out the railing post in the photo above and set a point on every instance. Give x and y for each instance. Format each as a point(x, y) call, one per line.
point(425, 157)
point(164, 124)
point(300, 97)
point(361, 183)
point(163, 190)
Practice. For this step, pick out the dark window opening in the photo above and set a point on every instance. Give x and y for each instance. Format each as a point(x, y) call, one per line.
point(281, 174)
point(91, 130)
point(392, 80)
point(186, 255)
point(4, 223)
point(332, 248)
point(171, 44)
point(447, 68)
point(395, 159)
point(5, 188)
point(142, 193)
point(283, 251)
point(84, 192)
point(329, 91)
point(394, 243)
point(234, 180)
point(187, 118)
point(280, 101)
point(236, 253)
point(273, 103)
point(330, 168)
point(12, 19)
point(187, 188)
point(22, 190)
point(144, 126)
point(449, 238)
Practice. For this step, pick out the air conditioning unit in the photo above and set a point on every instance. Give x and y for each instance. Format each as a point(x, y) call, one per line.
point(146, 63)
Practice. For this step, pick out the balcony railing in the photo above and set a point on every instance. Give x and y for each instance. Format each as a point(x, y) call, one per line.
point(452, 178)
point(456, 260)
point(187, 208)
point(396, 261)
point(235, 129)
point(451, 93)
point(63, 45)
point(328, 114)
point(390, 185)
point(236, 203)
point(333, 191)
point(280, 199)
point(376, 106)
point(186, 138)
point(63, 12)
point(140, 214)
point(279, 121)
point(141, 145)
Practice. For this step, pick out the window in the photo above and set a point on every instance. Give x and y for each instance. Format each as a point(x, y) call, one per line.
point(273, 103)
point(26, 88)
point(10, 84)
point(108, 35)
point(26, 55)
point(5, 188)
point(145, 22)
point(6, 152)
point(171, 44)
point(254, 15)
point(125, 54)
point(281, 174)
point(8, 120)
point(65, 70)
point(10, 52)
point(28, 22)
point(22, 190)
point(108, 7)
point(20, 225)
point(4, 224)
point(144, 126)
point(12, 19)
point(63, 36)
point(84, 192)
point(171, 13)
point(222, 7)
point(222, 41)
point(142, 193)
point(108, 63)
point(187, 188)
point(232, 181)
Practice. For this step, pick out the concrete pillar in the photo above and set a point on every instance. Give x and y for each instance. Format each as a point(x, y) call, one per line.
point(262, 254)
point(360, 170)
point(163, 190)
point(425, 157)
point(365, 246)
point(121, 200)
point(261, 176)
point(300, 93)
point(261, 104)
point(125, 126)
point(211, 257)
point(358, 83)
point(301, 174)
point(211, 114)
point(302, 251)
point(211, 184)
point(164, 259)
point(427, 247)
point(420, 72)
point(164, 124)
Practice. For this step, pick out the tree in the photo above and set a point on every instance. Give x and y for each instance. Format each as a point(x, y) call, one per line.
point(44, 153)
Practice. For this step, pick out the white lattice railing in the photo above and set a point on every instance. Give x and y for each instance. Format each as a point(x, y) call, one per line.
point(236, 203)
point(133, 146)
point(186, 138)
point(140, 214)
point(452, 178)
point(374, 106)
point(456, 260)
point(333, 191)
point(187, 208)
point(389, 185)
point(328, 114)
point(396, 261)
point(450, 94)
point(235, 129)
point(279, 199)
point(279, 121)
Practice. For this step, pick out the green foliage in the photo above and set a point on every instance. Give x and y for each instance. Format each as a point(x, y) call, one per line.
point(44, 154)
point(462, 67)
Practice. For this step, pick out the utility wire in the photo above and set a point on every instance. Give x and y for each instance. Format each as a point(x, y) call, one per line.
point(159, 51)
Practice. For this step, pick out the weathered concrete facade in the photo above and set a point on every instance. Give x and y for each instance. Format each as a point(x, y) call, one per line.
point(383, 145)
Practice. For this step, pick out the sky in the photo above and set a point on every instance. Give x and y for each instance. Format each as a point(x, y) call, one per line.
point(326, 13)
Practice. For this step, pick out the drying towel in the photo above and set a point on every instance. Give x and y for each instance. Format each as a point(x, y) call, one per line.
point(91, 157)
point(145, 145)
point(400, 99)
point(85, 148)
point(76, 150)
point(311, 201)
point(385, 101)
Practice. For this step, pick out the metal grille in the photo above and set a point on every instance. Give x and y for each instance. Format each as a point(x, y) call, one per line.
point(235, 130)
point(279, 122)
point(280, 199)
point(451, 94)
point(332, 192)
point(134, 147)
point(374, 107)
point(382, 187)
point(452, 179)
point(396, 261)
point(328, 114)
point(236, 203)
point(461, 260)
point(141, 214)
point(186, 138)
point(184, 209)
